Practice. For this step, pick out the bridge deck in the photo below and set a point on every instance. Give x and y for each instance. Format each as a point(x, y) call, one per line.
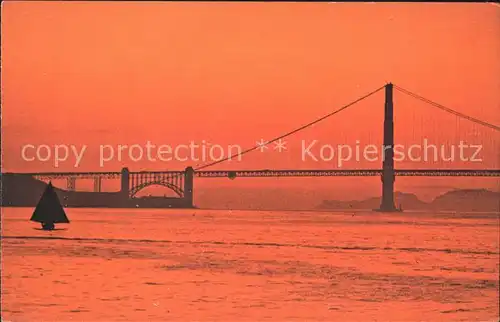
point(346, 173)
point(276, 173)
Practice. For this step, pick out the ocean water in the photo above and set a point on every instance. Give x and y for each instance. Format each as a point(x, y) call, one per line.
point(214, 265)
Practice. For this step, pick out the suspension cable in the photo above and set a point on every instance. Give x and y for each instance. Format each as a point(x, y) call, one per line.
point(449, 110)
point(291, 132)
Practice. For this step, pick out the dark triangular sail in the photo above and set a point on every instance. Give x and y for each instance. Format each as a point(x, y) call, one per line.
point(49, 209)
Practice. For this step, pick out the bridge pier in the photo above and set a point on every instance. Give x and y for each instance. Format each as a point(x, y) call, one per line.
point(189, 186)
point(125, 183)
point(97, 184)
point(71, 184)
point(388, 176)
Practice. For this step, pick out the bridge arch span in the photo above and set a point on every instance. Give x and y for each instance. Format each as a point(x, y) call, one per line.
point(164, 183)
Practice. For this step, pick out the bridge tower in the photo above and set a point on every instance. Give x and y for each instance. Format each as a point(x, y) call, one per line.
point(388, 176)
point(189, 186)
point(125, 182)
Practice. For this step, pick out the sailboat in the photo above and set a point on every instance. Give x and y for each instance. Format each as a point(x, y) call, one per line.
point(49, 210)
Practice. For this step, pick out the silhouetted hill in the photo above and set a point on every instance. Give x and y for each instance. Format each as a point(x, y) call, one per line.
point(468, 200)
point(457, 200)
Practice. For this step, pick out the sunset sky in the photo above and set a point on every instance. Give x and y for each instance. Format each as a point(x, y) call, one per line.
point(234, 73)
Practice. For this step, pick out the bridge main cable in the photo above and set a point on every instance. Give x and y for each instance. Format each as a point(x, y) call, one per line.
point(444, 108)
point(293, 131)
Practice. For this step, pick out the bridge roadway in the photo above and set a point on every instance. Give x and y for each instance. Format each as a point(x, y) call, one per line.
point(276, 173)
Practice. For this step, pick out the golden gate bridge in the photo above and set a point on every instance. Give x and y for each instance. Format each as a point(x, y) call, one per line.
point(182, 182)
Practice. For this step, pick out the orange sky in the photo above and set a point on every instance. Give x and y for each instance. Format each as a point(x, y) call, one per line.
point(233, 73)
